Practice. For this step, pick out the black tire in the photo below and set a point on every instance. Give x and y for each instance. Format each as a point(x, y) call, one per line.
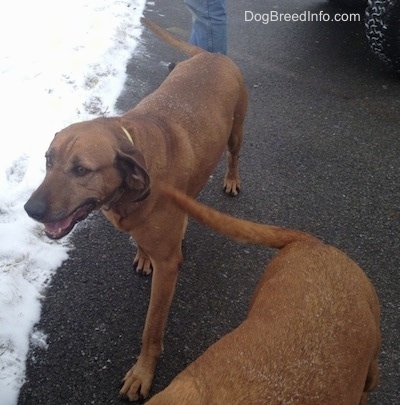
point(382, 21)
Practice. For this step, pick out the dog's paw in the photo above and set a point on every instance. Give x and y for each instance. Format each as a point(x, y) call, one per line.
point(136, 384)
point(142, 263)
point(231, 187)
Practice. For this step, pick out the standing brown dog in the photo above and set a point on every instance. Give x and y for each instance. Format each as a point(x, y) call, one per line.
point(311, 336)
point(174, 136)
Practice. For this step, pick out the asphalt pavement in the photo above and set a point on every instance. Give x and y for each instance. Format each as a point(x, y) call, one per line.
point(321, 153)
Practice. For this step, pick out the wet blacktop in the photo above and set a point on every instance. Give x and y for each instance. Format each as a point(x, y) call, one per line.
point(321, 154)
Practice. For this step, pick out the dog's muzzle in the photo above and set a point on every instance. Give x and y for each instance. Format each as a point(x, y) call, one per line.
point(58, 228)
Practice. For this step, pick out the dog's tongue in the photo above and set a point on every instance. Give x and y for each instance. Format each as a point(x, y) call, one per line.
point(56, 229)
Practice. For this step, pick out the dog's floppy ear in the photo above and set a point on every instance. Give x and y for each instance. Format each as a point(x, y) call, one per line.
point(133, 171)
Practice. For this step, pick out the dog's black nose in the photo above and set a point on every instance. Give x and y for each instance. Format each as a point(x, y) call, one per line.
point(36, 209)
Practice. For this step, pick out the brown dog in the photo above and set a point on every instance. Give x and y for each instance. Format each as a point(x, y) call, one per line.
point(174, 136)
point(311, 335)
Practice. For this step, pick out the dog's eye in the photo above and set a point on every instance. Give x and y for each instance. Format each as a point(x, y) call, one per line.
point(80, 171)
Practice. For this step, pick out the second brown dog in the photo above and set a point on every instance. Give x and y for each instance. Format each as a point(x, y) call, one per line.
point(311, 335)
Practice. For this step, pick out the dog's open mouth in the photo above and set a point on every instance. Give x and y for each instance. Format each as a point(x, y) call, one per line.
point(58, 229)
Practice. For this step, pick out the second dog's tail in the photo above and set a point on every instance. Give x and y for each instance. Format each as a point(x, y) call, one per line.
point(238, 229)
point(179, 44)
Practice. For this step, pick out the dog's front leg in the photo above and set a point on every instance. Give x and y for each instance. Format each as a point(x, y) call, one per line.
point(137, 382)
point(142, 263)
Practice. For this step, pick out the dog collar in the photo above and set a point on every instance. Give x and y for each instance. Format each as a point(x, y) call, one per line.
point(128, 135)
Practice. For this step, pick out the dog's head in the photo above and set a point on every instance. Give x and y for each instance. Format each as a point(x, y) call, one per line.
point(88, 165)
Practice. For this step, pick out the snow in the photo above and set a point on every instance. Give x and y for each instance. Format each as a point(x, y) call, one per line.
point(60, 62)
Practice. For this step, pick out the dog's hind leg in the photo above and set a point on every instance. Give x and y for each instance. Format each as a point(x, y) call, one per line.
point(232, 181)
point(371, 382)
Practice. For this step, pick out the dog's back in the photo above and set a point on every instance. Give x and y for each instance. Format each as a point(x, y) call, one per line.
point(312, 331)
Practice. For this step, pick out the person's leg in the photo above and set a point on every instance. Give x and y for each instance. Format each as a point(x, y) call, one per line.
point(209, 24)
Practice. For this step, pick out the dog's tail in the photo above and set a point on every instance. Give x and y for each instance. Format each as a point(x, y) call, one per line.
point(237, 229)
point(183, 46)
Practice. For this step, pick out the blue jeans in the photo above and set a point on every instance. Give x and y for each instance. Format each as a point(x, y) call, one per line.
point(209, 24)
